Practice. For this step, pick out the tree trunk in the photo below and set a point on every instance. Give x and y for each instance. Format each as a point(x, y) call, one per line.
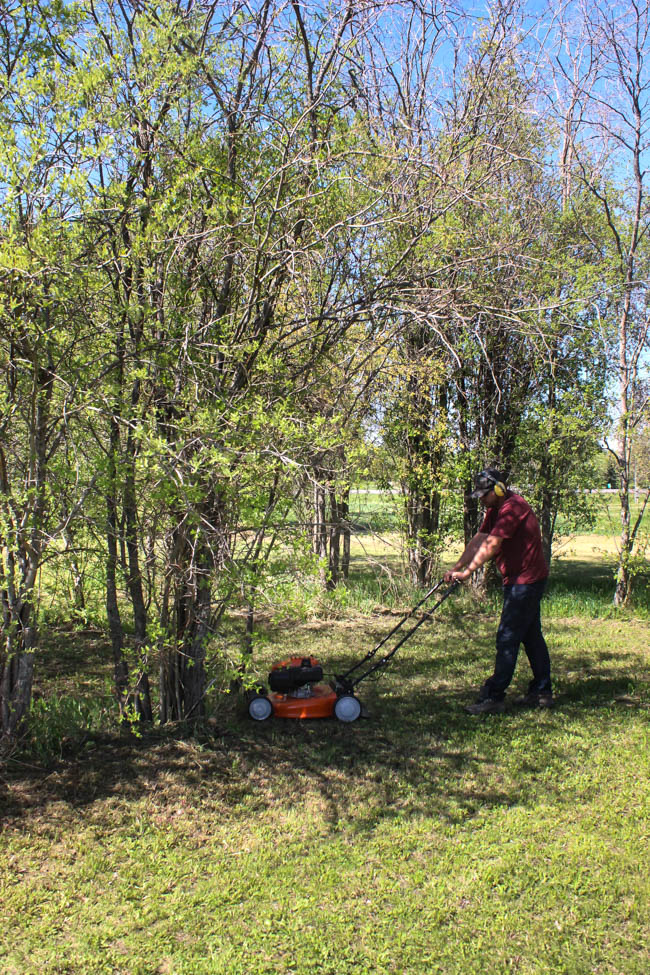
point(344, 511)
point(426, 408)
point(548, 510)
point(78, 594)
point(423, 516)
point(623, 587)
point(319, 527)
point(194, 677)
point(182, 659)
point(334, 541)
point(471, 518)
point(120, 667)
point(134, 580)
point(16, 684)
point(546, 524)
point(24, 545)
point(116, 630)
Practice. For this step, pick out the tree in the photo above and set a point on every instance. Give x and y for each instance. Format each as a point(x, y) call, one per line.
point(476, 317)
point(463, 148)
point(46, 375)
point(225, 236)
point(604, 86)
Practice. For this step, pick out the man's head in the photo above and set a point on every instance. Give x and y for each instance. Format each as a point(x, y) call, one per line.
point(490, 487)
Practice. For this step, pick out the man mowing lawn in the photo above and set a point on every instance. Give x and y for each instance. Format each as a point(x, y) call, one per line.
point(510, 535)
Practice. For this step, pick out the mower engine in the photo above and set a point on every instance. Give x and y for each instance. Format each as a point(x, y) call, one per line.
point(295, 677)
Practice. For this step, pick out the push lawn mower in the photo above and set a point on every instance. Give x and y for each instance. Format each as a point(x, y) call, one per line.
point(294, 688)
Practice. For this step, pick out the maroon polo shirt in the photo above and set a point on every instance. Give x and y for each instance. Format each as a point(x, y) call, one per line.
point(520, 558)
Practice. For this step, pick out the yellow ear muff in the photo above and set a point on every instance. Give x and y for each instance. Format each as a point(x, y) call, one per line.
point(499, 489)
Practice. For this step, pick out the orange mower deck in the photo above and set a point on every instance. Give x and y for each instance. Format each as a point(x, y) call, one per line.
point(320, 705)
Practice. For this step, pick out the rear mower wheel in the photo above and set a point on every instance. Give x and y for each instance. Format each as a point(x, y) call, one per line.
point(260, 708)
point(347, 708)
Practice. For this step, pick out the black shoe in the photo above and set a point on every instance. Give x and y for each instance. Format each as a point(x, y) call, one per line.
point(487, 706)
point(535, 700)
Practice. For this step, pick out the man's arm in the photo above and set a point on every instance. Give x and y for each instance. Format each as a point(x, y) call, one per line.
point(478, 551)
point(470, 551)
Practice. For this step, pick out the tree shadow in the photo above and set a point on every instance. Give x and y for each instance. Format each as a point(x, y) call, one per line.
point(595, 581)
point(70, 652)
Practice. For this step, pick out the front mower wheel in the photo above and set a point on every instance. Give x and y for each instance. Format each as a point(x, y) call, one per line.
point(347, 708)
point(260, 708)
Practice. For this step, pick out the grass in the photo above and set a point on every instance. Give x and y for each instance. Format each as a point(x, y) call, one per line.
point(421, 840)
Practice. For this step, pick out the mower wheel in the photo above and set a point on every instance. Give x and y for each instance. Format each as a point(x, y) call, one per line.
point(260, 708)
point(347, 708)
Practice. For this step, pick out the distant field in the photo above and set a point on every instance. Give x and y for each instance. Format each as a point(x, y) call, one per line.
point(377, 512)
point(370, 505)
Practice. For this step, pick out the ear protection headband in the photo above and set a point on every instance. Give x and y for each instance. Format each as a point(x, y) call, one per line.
point(498, 486)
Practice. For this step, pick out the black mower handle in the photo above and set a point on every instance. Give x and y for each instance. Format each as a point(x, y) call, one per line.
point(345, 678)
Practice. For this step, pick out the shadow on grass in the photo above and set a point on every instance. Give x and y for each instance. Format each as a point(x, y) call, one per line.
point(69, 653)
point(593, 583)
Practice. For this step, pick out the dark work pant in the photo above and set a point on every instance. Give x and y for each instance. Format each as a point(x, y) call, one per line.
point(520, 623)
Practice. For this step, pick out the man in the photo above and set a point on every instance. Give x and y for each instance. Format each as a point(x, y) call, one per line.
point(510, 535)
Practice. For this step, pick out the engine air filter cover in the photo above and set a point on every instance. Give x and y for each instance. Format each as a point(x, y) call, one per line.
point(296, 672)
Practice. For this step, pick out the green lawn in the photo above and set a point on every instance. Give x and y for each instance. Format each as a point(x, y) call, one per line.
point(421, 840)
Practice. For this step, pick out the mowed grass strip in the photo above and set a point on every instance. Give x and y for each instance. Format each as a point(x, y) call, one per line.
point(421, 840)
